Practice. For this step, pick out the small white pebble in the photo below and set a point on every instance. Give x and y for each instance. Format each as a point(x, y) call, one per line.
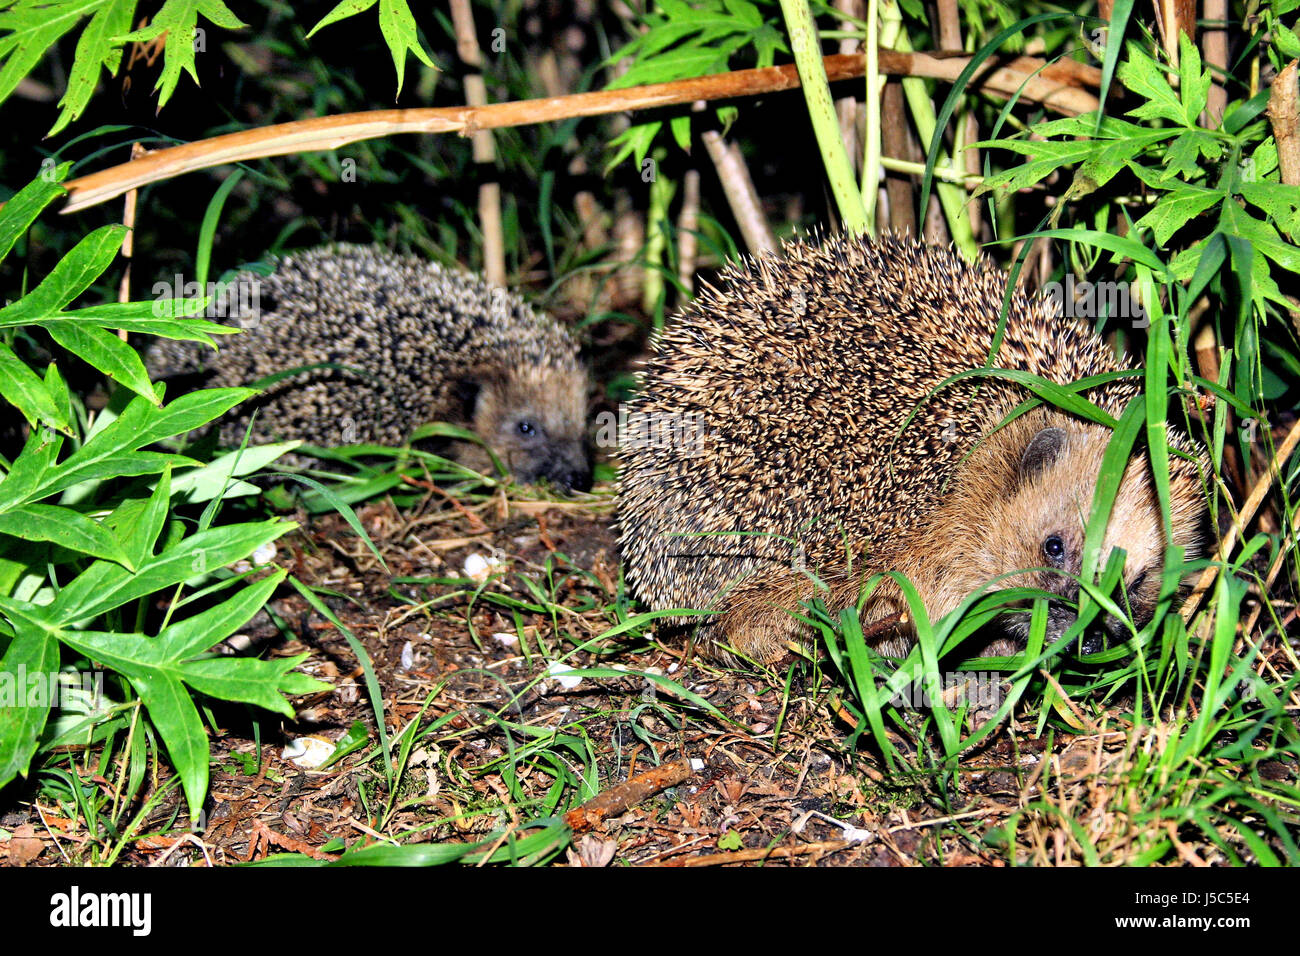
point(308, 752)
point(506, 638)
point(478, 567)
point(697, 764)
point(408, 656)
point(563, 675)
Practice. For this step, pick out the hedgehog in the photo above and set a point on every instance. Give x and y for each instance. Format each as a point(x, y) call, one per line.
point(797, 432)
point(396, 342)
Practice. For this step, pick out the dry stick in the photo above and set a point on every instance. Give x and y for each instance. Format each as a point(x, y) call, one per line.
point(1058, 89)
point(484, 149)
point(759, 854)
point(627, 794)
point(896, 140)
point(688, 223)
point(1214, 41)
point(1174, 17)
point(950, 39)
point(128, 241)
point(1248, 510)
point(742, 197)
point(846, 108)
point(1282, 114)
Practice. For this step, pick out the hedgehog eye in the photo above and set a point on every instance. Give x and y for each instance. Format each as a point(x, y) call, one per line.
point(527, 427)
point(1054, 548)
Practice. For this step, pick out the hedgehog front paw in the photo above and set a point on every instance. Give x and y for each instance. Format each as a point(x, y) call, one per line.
point(763, 634)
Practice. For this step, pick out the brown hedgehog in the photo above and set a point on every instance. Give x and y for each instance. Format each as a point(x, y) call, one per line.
point(771, 441)
point(404, 342)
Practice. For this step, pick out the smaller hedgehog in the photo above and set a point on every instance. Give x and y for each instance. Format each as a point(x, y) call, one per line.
point(405, 342)
point(821, 419)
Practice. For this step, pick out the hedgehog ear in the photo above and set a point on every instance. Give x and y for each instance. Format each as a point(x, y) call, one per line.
point(1042, 450)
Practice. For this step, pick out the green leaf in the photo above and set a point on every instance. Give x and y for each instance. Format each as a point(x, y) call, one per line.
point(106, 352)
point(21, 211)
point(104, 586)
point(398, 27)
point(30, 652)
point(138, 524)
point(196, 634)
point(176, 719)
point(395, 23)
point(217, 477)
point(33, 27)
point(345, 9)
point(260, 683)
point(1144, 77)
point(21, 387)
point(179, 20)
point(67, 280)
point(95, 49)
point(1194, 83)
point(1278, 200)
point(112, 451)
point(64, 527)
point(1175, 210)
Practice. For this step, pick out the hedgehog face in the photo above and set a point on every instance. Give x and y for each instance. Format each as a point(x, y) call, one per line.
point(1039, 523)
point(535, 420)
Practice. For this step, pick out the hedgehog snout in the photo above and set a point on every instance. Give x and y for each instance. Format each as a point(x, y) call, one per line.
point(565, 464)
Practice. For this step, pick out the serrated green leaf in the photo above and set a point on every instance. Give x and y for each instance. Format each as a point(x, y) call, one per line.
point(95, 49)
point(1182, 156)
point(345, 9)
point(1194, 84)
point(1279, 201)
point(179, 20)
point(1174, 211)
point(68, 279)
point(1144, 77)
point(398, 27)
point(33, 27)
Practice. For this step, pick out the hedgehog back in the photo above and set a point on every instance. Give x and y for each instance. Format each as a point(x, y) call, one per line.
point(799, 374)
point(410, 333)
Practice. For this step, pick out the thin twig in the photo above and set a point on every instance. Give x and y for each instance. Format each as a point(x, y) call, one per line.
point(1253, 501)
point(1058, 89)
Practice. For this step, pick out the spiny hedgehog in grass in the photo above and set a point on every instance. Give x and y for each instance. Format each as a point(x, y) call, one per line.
point(407, 342)
point(771, 441)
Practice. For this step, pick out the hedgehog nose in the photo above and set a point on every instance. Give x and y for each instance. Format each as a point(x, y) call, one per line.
point(570, 468)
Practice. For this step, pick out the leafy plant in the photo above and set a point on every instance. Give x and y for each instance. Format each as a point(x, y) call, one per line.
point(90, 534)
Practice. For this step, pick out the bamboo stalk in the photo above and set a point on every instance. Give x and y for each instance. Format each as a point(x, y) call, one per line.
point(1058, 89)
point(742, 197)
point(805, 44)
point(484, 148)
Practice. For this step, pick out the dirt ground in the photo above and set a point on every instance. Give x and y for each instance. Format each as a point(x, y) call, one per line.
point(771, 782)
